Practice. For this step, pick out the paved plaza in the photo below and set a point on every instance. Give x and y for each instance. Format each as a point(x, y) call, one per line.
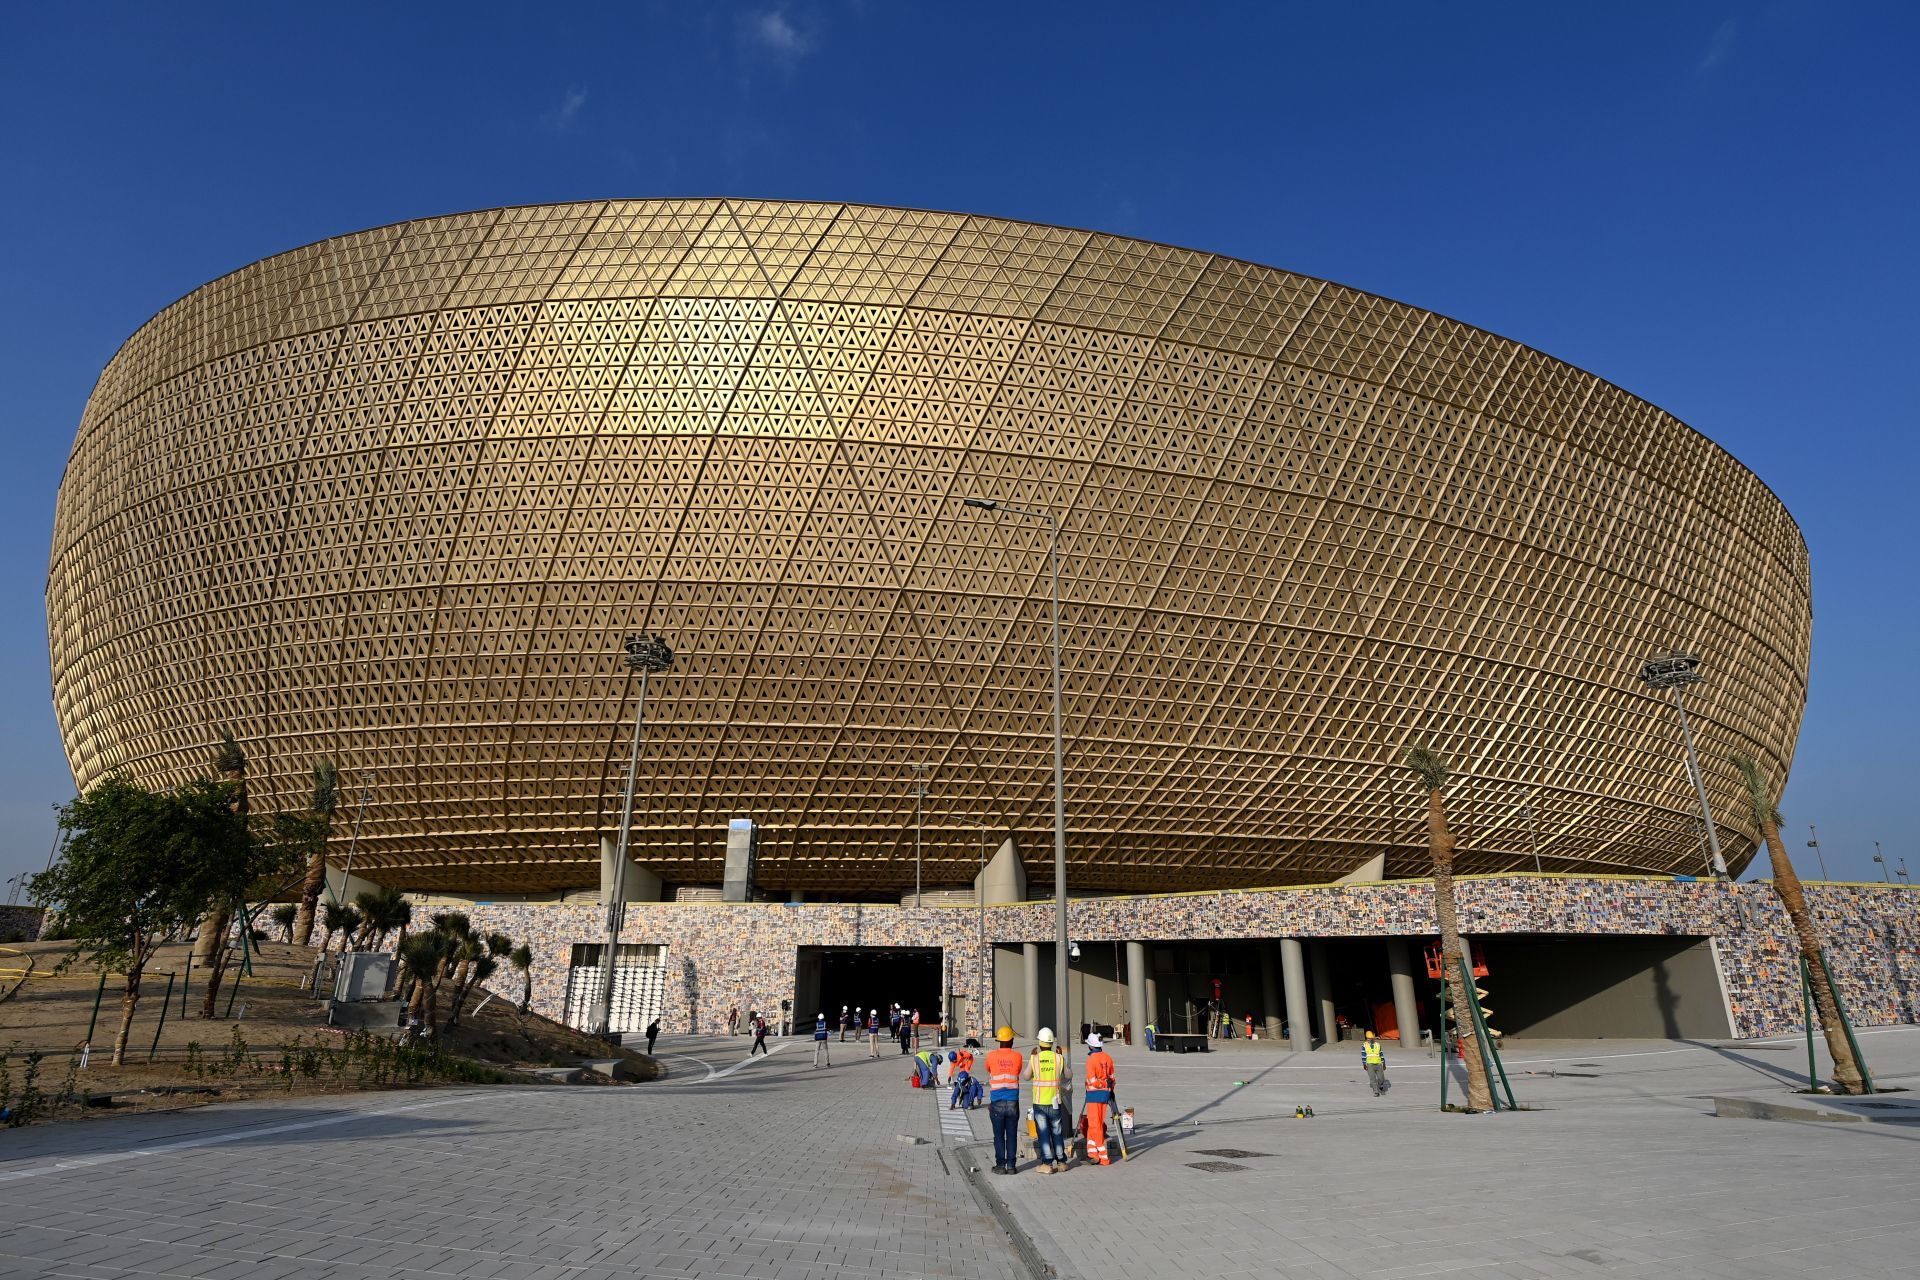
point(771, 1168)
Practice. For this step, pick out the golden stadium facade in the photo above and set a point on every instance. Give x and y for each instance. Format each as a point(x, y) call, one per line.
point(396, 498)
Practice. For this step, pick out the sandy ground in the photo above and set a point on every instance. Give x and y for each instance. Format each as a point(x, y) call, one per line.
point(49, 1012)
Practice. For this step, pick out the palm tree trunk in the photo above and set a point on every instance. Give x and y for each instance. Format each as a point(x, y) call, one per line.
point(213, 934)
point(216, 970)
point(526, 993)
point(310, 897)
point(129, 1001)
point(1786, 883)
point(417, 1007)
point(1459, 981)
point(460, 980)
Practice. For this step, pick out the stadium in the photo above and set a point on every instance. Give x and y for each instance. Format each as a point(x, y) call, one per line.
point(398, 497)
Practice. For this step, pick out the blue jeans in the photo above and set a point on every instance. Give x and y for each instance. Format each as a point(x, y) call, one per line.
point(1006, 1142)
point(1051, 1130)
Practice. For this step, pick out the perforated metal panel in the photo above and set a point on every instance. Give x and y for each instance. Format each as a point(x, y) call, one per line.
point(396, 497)
point(639, 986)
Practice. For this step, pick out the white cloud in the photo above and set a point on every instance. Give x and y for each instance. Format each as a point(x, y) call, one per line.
point(772, 30)
point(562, 118)
point(1720, 46)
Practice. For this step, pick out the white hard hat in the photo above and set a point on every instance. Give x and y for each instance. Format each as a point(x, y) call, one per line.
point(1093, 1041)
point(1045, 1036)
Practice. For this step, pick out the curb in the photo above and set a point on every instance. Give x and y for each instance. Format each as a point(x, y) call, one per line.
point(1032, 1252)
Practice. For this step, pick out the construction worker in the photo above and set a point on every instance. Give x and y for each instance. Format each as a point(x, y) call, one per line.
point(926, 1065)
point(1099, 1099)
point(1003, 1100)
point(964, 1088)
point(873, 1033)
point(1045, 1069)
point(846, 1021)
point(820, 1054)
point(1373, 1055)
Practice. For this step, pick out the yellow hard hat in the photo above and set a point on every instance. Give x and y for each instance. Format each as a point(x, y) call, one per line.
point(1369, 1035)
point(1004, 1033)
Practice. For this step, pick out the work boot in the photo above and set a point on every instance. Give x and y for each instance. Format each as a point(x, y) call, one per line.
point(1045, 1168)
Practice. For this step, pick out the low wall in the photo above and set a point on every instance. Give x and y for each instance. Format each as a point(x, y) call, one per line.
point(20, 924)
point(742, 954)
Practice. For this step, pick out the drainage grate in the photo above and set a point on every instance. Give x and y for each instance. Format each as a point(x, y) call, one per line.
point(1217, 1166)
point(1234, 1153)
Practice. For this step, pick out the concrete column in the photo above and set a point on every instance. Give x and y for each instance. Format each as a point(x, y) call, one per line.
point(1137, 1006)
point(642, 885)
point(1269, 993)
point(1293, 965)
point(1155, 1013)
point(1323, 991)
point(1030, 991)
point(1405, 1007)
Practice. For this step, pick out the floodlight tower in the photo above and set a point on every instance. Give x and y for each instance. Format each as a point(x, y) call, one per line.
point(1064, 1040)
point(1672, 672)
point(649, 655)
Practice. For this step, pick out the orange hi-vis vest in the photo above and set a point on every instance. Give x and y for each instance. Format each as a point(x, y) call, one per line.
point(963, 1061)
point(1003, 1073)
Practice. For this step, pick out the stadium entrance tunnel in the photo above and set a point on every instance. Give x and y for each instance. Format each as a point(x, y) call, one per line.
point(866, 978)
point(1540, 986)
point(1558, 986)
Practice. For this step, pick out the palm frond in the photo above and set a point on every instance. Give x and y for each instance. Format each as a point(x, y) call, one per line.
point(228, 757)
point(1759, 794)
point(326, 787)
point(1430, 768)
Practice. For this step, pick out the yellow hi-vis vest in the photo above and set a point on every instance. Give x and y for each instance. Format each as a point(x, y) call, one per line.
point(1046, 1077)
point(1374, 1053)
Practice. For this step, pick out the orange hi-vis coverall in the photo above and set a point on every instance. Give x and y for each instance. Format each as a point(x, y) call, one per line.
point(1099, 1099)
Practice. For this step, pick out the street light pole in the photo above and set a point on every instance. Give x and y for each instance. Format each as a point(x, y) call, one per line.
point(649, 655)
point(1882, 861)
point(1814, 844)
point(1673, 672)
point(353, 841)
point(981, 959)
point(1064, 1037)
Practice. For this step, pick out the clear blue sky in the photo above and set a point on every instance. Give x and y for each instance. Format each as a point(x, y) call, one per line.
point(1715, 206)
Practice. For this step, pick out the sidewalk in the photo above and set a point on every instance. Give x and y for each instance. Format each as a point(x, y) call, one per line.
point(1622, 1171)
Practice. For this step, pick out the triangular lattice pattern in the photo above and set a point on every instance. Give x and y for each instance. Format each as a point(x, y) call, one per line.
point(396, 497)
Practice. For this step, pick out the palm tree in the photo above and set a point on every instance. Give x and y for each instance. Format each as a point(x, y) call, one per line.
point(420, 959)
point(334, 917)
point(521, 958)
point(326, 798)
point(230, 762)
point(1847, 1077)
point(382, 911)
point(283, 915)
point(350, 921)
point(498, 945)
point(1433, 774)
point(482, 968)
